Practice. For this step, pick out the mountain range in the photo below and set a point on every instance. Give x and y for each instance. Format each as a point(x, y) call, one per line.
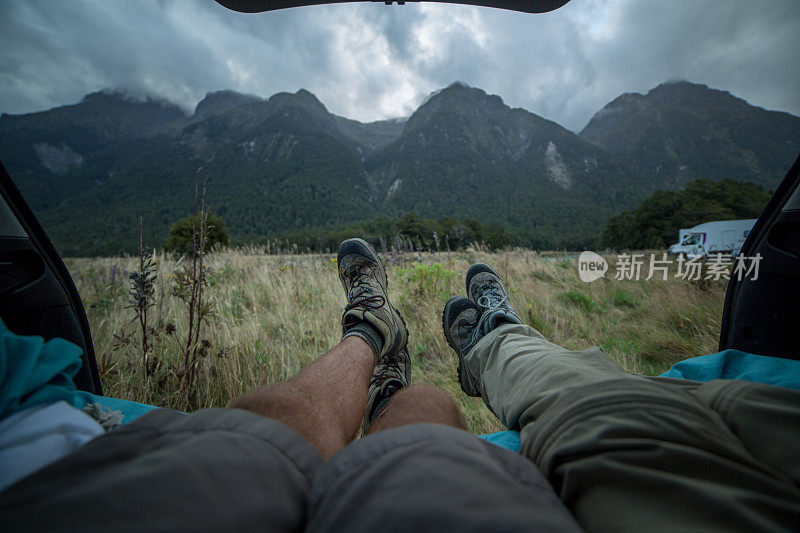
point(282, 164)
point(680, 132)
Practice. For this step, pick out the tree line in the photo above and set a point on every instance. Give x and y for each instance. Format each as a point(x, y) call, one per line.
point(656, 221)
point(653, 224)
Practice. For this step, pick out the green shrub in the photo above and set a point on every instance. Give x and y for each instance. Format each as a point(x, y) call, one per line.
point(655, 222)
point(180, 234)
point(626, 346)
point(623, 299)
point(580, 300)
point(427, 281)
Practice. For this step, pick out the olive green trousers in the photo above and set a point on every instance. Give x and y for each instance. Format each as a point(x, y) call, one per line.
point(634, 453)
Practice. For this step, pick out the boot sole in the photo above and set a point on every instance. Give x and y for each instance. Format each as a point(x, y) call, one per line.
point(445, 312)
point(445, 329)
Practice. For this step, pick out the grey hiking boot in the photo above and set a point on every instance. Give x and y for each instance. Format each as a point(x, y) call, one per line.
point(486, 289)
point(460, 320)
point(368, 313)
point(390, 375)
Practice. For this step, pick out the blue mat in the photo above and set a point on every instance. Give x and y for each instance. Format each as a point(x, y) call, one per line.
point(504, 439)
point(130, 410)
point(733, 364)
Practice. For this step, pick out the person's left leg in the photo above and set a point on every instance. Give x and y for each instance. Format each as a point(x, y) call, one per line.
point(220, 469)
point(325, 402)
point(211, 470)
point(352, 383)
point(605, 438)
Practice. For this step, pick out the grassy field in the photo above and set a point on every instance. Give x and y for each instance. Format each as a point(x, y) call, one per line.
point(272, 314)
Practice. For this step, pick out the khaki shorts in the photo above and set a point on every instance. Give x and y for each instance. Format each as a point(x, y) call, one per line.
point(231, 470)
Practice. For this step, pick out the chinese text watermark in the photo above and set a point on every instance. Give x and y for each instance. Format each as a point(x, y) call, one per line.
point(634, 267)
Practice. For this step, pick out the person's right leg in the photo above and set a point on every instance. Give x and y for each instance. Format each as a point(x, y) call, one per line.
point(419, 404)
point(621, 450)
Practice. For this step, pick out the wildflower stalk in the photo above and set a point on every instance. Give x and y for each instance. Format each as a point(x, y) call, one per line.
point(190, 282)
point(142, 292)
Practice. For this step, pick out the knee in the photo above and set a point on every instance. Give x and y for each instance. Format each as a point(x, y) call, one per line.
point(274, 401)
point(424, 395)
point(419, 404)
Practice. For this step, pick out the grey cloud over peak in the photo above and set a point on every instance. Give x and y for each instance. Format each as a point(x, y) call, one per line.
point(370, 62)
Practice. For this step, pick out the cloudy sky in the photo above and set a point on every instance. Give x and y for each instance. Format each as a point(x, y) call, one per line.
point(369, 61)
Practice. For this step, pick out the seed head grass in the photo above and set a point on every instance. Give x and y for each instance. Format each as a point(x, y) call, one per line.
point(275, 313)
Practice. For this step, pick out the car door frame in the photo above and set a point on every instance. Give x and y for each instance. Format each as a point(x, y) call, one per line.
point(89, 377)
point(756, 311)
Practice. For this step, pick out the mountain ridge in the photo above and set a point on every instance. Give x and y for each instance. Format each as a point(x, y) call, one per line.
point(671, 134)
point(542, 177)
point(285, 163)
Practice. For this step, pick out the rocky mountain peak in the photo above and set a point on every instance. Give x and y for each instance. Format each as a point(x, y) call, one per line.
point(680, 131)
point(458, 103)
point(124, 101)
point(301, 98)
point(287, 164)
point(220, 101)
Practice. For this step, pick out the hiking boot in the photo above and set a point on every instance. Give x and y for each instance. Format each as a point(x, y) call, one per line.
point(460, 320)
point(486, 289)
point(391, 374)
point(368, 313)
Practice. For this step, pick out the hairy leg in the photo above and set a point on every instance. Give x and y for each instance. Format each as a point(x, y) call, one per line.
point(419, 404)
point(325, 402)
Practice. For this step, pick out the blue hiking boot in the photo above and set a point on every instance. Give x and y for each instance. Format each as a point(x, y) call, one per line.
point(486, 289)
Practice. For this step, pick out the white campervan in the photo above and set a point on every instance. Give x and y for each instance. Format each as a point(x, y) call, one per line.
point(723, 236)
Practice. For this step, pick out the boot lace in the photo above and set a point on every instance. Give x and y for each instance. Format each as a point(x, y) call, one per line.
point(386, 374)
point(362, 295)
point(490, 300)
point(471, 332)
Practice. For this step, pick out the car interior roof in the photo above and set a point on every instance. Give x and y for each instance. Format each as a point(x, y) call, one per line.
point(525, 6)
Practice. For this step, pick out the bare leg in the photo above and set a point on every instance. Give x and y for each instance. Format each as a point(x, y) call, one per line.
point(419, 404)
point(325, 402)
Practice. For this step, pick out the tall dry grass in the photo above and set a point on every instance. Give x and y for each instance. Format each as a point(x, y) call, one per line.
point(273, 314)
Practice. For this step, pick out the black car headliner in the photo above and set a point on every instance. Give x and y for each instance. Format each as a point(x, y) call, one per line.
point(526, 6)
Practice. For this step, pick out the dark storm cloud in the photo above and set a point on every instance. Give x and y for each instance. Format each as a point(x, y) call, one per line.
point(369, 61)
point(577, 59)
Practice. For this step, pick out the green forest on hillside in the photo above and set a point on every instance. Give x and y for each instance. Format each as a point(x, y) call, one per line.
point(656, 221)
point(408, 232)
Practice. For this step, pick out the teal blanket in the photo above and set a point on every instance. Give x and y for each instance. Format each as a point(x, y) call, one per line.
point(34, 372)
point(733, 364)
